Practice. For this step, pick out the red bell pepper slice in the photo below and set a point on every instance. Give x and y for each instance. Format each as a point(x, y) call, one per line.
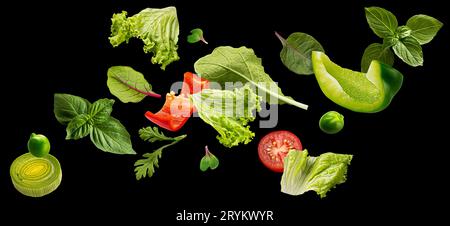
point(178, 109)
point(193, 84)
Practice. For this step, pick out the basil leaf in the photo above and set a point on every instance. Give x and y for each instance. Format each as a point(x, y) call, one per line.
point(376, 51)
point(111, 136)
point(389, 42)
point(106, 132)
point(100, 110)
point(128, 85)
point(410, 51)
point(228, 64)
point(423, 28)
point(382, 22)
point(296, 52)
point(403, 32)
point(79, 127)
point(66, 107)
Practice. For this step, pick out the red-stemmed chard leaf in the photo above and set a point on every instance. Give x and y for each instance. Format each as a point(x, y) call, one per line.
point(129, 85)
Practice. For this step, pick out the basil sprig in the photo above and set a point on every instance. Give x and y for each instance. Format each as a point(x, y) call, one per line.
point(405, 41)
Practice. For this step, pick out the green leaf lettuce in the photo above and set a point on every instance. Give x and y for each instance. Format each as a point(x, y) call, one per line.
point(304, 173)
point(157, 28)
point(228, 112)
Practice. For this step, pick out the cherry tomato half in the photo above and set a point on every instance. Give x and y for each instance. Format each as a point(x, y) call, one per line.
point(275, 146)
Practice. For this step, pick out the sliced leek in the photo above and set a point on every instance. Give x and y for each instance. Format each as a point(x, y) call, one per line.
point(36, 176)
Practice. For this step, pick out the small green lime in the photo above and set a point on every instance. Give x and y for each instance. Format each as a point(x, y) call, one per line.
point(331, 122)
point(38, 145)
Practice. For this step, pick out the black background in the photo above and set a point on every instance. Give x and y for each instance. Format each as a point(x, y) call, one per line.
point(398, 169)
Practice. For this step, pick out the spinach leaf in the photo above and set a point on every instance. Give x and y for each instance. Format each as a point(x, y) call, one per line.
point(111, 136)
point(423, 27)
point(409, 50)
point(296, 52)
point(228, 64)
point(128, 85)
point(67, 106)
point(382, 22)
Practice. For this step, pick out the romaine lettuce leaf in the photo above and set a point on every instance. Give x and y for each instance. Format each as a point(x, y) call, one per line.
point(228, 112)
point(157, 28)
point(303, 173)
